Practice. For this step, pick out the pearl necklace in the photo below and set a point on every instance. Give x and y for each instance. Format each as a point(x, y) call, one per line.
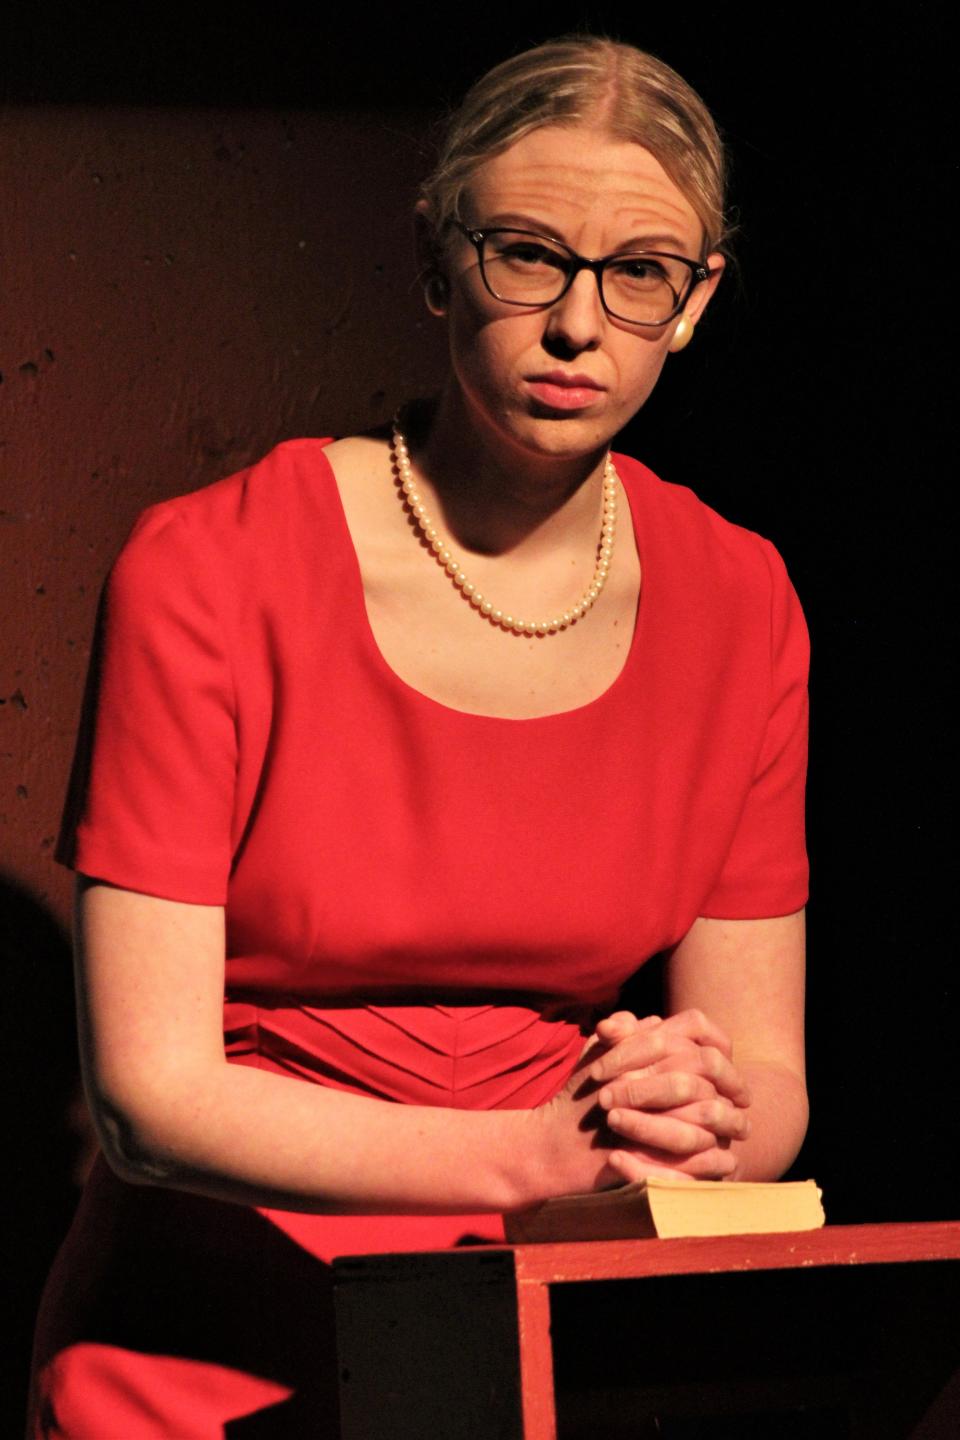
point(485, 608)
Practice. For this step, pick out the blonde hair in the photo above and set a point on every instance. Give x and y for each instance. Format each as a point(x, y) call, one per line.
point(583, 80)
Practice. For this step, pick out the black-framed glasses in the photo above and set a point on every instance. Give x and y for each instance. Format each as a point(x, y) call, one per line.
point(521, 267)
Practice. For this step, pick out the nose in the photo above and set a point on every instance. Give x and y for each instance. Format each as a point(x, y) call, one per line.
point(575, 321)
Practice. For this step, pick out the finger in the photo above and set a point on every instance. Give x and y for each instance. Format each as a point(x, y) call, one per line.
point(644, 1046)
point(640, 1046)
point(634, 1165)
point(660, 1132)
point(715, 1164)
point(620, 1020)
point(708, 1061)
point(636, 1051)
point(622, 1023)
point(725, 1121)
point(696, 1026)
point(656, 1090)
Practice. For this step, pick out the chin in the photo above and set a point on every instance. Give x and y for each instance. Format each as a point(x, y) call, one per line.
point(537, 430)
point(565, 435)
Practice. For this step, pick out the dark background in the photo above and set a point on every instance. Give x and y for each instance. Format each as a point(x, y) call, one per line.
point(813, 408)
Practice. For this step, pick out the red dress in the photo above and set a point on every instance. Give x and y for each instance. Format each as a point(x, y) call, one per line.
point(422, 904)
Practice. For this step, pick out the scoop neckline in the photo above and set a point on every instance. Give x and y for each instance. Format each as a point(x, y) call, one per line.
point(376, 655)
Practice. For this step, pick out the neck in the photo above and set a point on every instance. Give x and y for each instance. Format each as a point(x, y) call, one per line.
point(492, 495)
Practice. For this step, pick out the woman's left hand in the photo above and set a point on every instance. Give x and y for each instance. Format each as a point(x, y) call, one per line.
point(672, 1088)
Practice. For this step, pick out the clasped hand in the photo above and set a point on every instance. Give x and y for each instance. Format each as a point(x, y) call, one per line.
point(670, 1089)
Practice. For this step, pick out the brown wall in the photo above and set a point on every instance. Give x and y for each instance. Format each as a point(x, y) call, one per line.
point(181, 289)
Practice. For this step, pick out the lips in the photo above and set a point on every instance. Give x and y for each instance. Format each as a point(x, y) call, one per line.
point(561, 390)
point(566, 380)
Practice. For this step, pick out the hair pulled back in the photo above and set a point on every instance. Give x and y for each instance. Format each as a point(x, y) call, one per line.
point(583, 80)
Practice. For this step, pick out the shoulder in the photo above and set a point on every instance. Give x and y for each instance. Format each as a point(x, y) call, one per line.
point(701, 547)
point(241, 516)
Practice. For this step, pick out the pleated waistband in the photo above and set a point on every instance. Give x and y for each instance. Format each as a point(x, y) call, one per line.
point(476, 1057)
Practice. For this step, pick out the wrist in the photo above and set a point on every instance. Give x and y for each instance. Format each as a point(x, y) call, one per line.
point(551, 1158)
point(532, 1158)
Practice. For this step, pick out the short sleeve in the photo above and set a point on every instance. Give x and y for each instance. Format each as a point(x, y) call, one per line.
point(765, 871)
point(151, 795)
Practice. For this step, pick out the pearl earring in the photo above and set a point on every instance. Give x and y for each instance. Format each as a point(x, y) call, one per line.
point(682, 335)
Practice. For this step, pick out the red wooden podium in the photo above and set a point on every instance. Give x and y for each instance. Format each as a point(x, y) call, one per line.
point(849, 1331)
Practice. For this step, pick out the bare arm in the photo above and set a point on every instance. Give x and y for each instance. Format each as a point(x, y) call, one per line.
point(170, 1110)
point(726, 1072)
point(748, 976)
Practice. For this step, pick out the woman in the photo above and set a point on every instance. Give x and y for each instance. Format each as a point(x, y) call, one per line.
point(416, 745)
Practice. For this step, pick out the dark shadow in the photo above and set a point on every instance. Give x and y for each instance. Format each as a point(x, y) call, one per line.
point(44, 1130)
point(163, 1275)
point(643, 992)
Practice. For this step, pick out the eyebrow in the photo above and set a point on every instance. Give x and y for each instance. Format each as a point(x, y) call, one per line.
point(651, 242)
point(511, 218)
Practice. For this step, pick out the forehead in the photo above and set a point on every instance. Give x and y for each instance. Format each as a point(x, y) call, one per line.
point(577, 179)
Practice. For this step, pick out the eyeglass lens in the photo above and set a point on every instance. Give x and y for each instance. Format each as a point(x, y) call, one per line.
point(532, 270)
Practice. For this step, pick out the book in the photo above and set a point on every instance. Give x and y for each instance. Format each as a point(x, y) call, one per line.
point(670, 1208)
